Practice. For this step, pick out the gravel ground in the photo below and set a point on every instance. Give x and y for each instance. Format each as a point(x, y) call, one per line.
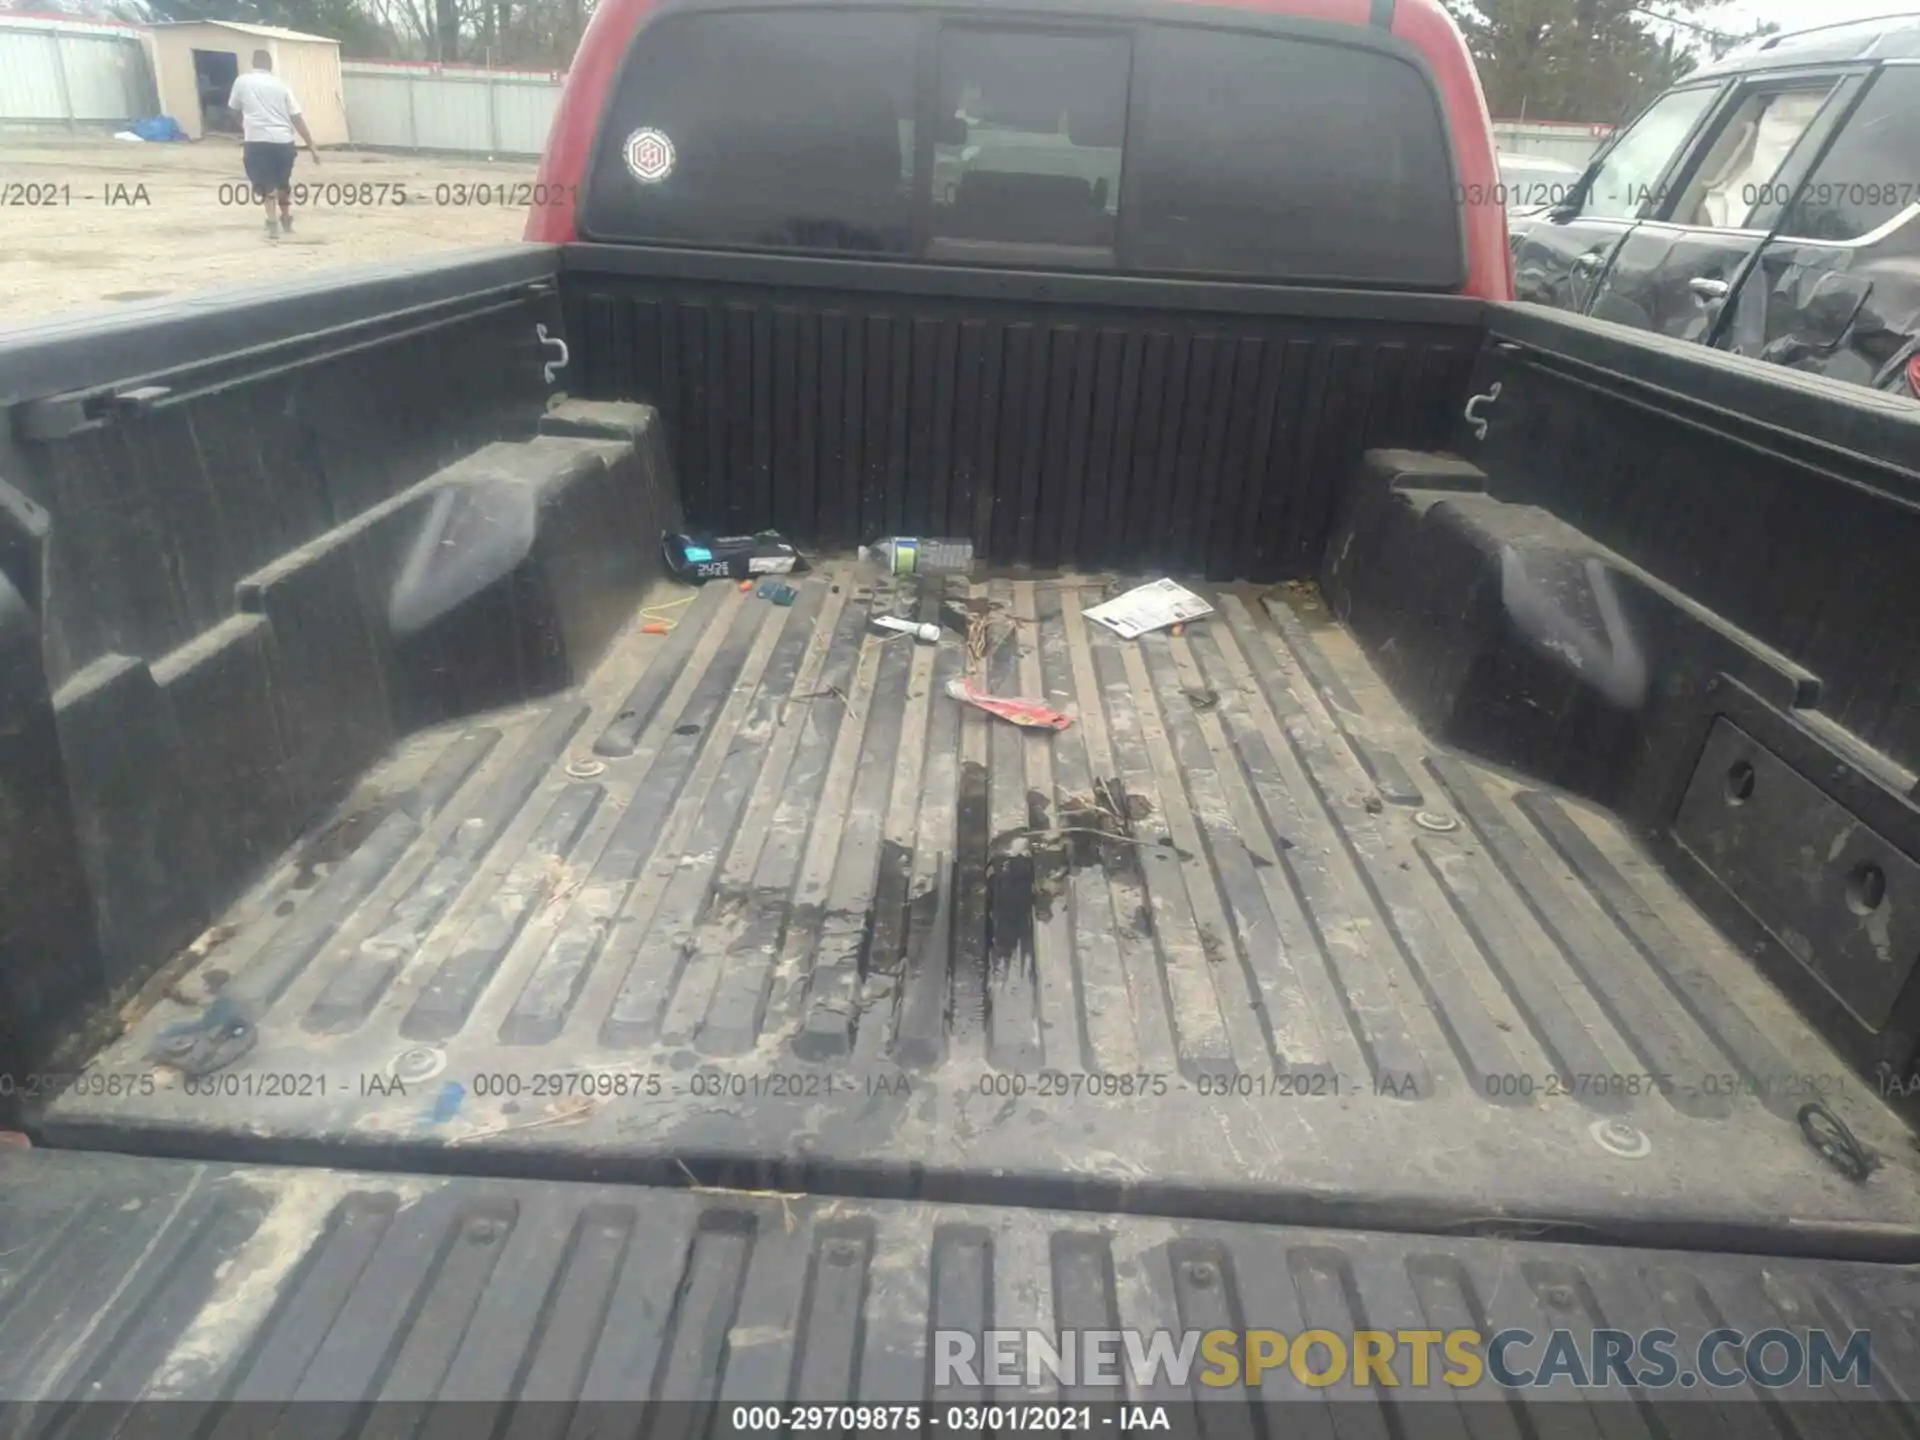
point(77, 232)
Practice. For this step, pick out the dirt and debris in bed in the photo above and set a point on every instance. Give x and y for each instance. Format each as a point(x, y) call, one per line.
point(884, 885)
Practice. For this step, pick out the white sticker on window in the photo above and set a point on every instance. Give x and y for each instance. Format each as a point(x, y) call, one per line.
point(649, 155)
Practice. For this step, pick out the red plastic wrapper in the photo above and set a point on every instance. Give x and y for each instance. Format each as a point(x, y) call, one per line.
point(1030, 714)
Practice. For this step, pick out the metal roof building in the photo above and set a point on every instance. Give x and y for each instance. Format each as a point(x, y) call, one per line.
point(195, 64)
point(57, 72)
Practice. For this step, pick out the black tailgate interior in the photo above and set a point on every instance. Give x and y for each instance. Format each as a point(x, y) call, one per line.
point(148, 1289)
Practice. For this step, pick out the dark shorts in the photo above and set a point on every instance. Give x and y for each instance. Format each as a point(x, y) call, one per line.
point(269, 165)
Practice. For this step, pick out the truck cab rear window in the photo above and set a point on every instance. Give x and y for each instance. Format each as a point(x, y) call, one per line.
point(1141, 147)
point(783, 130)
point(1029, 145)
point(1276, 157)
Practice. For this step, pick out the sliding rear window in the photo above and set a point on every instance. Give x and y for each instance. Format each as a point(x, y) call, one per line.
point(1028, 150)
point(964, 137)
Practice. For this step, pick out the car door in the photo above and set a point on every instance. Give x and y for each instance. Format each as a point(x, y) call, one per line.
point(1836, 289)
point(1676, 269)
point(1560, 256)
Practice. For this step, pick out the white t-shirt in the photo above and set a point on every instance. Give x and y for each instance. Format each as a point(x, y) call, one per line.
point(266, 107)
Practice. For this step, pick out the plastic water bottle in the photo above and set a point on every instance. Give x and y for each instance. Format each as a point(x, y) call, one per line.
point(927, 634)
point(912, 555)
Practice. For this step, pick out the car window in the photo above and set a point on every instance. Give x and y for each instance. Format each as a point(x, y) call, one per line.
point(1625, 181)
point(1030, 140)
point(1533, 182)
point(1741, 168)
point(1871, 173)
point(778, 130)
point(1258, 156)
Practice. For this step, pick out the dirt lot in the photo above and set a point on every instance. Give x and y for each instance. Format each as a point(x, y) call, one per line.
point(101, 222)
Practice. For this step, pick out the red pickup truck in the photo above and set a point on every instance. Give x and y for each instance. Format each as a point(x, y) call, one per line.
point(455, 976)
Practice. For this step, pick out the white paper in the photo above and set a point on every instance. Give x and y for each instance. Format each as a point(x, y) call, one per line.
point(1149, 607)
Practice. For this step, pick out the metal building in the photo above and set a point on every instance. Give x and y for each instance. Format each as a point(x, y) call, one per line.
point(71, 73)
point(196, 63)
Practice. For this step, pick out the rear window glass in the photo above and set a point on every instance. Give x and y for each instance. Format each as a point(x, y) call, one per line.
point(1030, 137)
point(1872, 171)
point(1108, 144)
point(777, 130)
point(1279, 157)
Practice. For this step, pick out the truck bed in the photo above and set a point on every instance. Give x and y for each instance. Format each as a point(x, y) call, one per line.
point(760, 905)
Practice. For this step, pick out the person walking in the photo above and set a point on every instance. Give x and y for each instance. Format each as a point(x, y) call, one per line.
point(269, 119)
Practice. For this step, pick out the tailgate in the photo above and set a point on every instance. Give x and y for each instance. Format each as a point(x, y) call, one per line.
point(125, 1280)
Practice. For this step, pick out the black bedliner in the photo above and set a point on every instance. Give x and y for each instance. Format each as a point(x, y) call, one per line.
point(547, 905)
point(760, 903)
point(135, 1292)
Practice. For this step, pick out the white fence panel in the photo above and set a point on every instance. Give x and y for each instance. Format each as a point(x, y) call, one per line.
point(379, 108)
point(523, 112)
point(1573, 144)
point(451, 115)
point(473, 112)
point(30, 77)
point(107, 79)
point(58, 73)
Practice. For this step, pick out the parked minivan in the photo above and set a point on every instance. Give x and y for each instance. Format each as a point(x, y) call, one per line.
point(1769, 205)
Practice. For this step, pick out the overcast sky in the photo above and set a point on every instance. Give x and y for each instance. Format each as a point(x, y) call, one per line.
point(1798, 14)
